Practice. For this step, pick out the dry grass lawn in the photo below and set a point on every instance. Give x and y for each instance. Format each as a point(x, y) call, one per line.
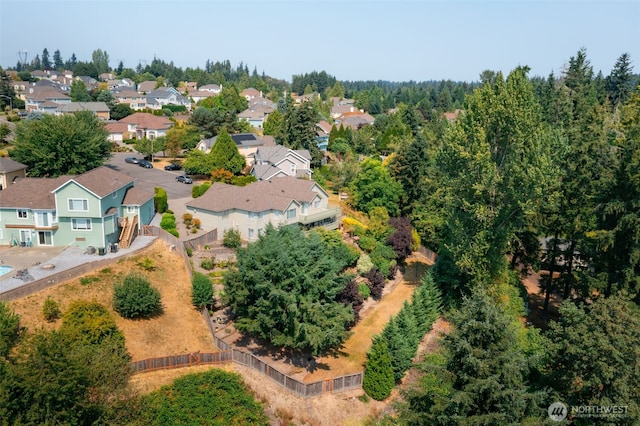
point(180, 328)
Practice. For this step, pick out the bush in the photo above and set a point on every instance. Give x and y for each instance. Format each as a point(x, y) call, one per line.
point(364, 291)
point(201, 290)
point(50, 309)
point(168, 223)
point(135, 297)
point(195, 191)
point(364, 264)
point(160, 200)
point(376, 283)
point(187, 218)
point(196, 223)
point(367, 243)
point(209, 263)
point(232, 239)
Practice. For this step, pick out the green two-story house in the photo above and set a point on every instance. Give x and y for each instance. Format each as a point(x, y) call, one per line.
point(95, 209)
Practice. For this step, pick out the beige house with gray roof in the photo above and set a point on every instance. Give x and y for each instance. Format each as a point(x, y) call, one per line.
point(249, 209)
point(10, 171)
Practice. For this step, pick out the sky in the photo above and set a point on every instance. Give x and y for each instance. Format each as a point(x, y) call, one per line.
point(416, 40)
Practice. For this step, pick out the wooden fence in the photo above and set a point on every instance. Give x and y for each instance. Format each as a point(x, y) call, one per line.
point(305, 390)
point(203, 240)
point(428, 254)
point(174, 243)
point(179, 361)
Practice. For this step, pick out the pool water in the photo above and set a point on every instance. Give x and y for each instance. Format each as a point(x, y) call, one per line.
point(4, 269)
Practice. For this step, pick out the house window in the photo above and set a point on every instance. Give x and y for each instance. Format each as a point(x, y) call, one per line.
point(78, 205)
point(260, 215)
point(316, 204)
point(291, 213)
point(251, 215)
point(115, 194)
point(293, 170)
point(23, 214)
point(251, 233)
point(278, 213)
point(131, 209)
point(81, 224)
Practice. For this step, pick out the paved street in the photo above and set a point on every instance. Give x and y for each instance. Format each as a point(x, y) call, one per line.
point(149, 179)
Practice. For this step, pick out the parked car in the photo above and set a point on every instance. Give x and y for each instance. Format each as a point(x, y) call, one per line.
point(146, 164)
point(132, 160)
point(173, 166)
point(184, 179)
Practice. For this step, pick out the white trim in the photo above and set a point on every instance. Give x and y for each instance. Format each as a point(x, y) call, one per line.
point(74, 224)
point(85, 202)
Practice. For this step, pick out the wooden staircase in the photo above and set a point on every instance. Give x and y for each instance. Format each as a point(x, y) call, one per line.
point(128, 233)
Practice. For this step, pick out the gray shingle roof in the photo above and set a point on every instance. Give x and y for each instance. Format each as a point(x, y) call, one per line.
point(7, 165)
point(274, 194)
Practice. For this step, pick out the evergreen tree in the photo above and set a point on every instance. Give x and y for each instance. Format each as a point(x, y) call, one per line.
point(378, 379)
point(46, 61)
point(426, 303)
point(619, 82)
point(58, 63)
point(225, 155)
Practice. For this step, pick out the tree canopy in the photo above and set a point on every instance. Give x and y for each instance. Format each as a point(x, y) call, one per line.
point(286, 290)
point(51, 145)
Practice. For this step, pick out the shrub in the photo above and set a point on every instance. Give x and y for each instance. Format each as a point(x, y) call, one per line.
point(135, 297)
point(9, 329)
point(174, 232)
point(187, 218)
point(196, 223)
point(376, 283)
point(201, 290)
point(203, 188)
point(89, 322)
point(367, 243)
point(208, 263)
point(168, 223)
point(232, 239)
point(243, 180)
point(146, 264)
point(189, 251)
point(160, 200)
point(364, 291)
point(50, 309)
point(195, 191)
point(364, 264)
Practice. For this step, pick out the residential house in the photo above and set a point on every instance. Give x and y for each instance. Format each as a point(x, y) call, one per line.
point(247, 143)
point(279, 161)
point(355, 120)
point(147, 86)
point(251, 93)
point(198, 95)
point(145, 125)
point(135, 100)
point(44, 99)
point(10, 171)
point(214, 89)
point(158, 98)
point(118, 132)
point(95, 209)
point(121, 83)
point(323, 129)
point(305, 98)
point(249, 209)
point(100, 109)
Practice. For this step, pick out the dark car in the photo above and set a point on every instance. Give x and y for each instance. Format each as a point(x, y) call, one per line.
point(184, 179)
point(132, 160)
point(146, 164)
point(173, 166)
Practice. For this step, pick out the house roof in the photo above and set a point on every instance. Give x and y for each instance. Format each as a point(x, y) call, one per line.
point(7, 165)
point(45, 93)
point(275, 154)
point(116, 127)
point(32, 193)
point(101, 181)
point(145, 120)
point(266, 171)
point(242, 140)
point(251, 92)
point(136, 197)
point(273, 194)
point(147, 86)
point(84, 106)
point(324, 126)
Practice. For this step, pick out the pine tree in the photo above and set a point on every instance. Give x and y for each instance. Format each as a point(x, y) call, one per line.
point(378, 379)
point(225, 155)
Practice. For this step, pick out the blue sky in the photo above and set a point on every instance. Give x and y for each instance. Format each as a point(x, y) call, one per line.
point(351, 40)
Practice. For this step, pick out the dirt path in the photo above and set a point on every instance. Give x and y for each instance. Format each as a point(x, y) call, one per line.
point(536, 315)
point(354, 350)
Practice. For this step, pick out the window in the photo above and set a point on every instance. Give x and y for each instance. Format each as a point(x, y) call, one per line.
point(278, 213)
point(293, 170)
point(251, 215)
point(23, 214)
point(291, 213)
point(251, 233)
point(81, 224)
point(260, 215)
point(131, 209)
point(78, 205)
point(316, 204)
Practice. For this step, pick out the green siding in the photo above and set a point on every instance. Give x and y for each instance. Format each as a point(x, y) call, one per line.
point(73, 190)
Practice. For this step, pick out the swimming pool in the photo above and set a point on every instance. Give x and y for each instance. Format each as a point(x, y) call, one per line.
point(4, 269)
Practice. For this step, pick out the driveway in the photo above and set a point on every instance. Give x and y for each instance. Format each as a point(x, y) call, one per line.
point(149, 179)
